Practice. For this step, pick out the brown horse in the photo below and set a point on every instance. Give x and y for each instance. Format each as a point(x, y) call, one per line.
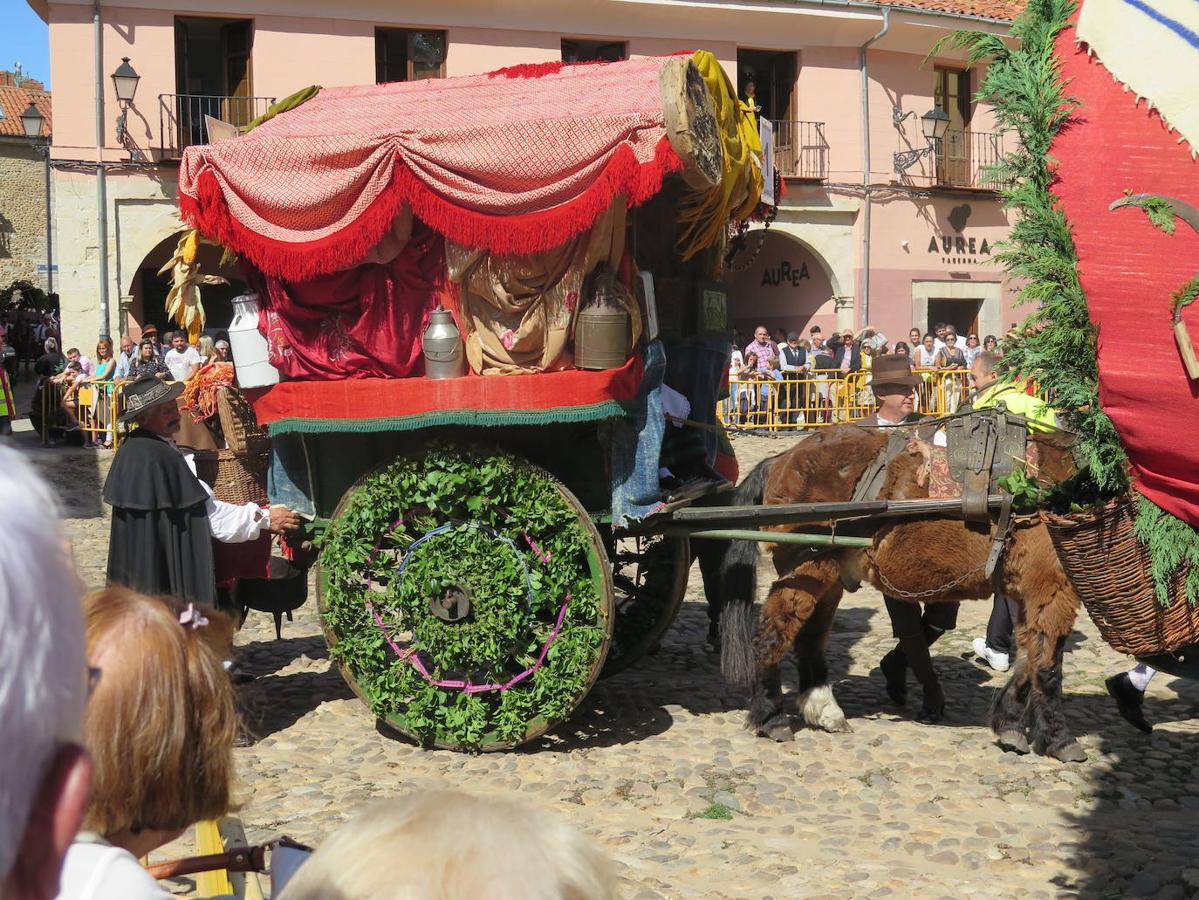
point(946, 556)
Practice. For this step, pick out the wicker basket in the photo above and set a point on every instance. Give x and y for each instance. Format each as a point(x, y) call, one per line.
point(234, 477)
point(1110, 571)
point(243, 434)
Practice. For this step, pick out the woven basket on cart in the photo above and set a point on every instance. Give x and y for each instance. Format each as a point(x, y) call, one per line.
point(234, 477)
point(1110, 571)
point(243, 434)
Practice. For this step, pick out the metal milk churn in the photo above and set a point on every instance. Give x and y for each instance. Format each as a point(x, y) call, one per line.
point(602, 337)
point(442, 344)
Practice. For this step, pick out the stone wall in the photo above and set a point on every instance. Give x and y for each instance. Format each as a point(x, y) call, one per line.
point(22, 212)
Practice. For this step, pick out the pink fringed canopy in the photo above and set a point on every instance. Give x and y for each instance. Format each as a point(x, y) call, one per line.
point(516, 161)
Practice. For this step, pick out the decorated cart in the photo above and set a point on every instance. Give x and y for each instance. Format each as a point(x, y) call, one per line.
point(477, 570)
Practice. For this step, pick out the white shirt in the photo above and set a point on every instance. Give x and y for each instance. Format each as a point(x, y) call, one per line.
point(96, 870)
point(229, 523)
point(924, 359)
point(180, 362)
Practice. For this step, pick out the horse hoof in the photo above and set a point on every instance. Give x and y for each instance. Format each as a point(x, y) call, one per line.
point(1071, 753)
point(836, 725)
point(1013, 741)
point(779, 733)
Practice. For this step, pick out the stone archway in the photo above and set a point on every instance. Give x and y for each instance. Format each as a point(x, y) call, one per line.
point(148, 289)
point(788, 286)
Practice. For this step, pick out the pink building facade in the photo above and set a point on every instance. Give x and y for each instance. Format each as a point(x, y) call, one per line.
point(877, 226)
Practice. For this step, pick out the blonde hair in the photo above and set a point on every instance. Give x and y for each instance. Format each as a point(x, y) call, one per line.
point(443, 845)
point(161, 723)
point(206, 346)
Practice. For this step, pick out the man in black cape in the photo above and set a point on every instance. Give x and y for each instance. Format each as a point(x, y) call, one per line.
point(164, 518)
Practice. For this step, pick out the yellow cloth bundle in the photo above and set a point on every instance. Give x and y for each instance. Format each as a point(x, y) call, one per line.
point(705, 214)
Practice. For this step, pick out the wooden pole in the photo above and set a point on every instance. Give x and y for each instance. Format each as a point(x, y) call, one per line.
point(791, 513)
point(781, 537)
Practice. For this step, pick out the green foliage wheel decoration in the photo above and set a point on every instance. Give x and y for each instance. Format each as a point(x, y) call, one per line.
point(466, 597)
point(649, 574)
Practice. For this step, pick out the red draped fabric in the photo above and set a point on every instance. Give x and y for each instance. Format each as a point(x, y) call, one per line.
point(364, 322)
point(1129, 269)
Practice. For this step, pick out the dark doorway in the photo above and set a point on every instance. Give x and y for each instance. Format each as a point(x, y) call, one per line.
point(773, 75)
point(213, 73)
point(961, 314)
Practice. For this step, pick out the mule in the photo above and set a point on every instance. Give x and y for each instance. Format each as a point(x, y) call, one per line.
point(938, 558)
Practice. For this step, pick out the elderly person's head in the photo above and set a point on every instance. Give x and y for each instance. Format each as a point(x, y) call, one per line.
point(221, 349)
point(150, 402)
point(160, 723)
point(50, 345)
point(126, 344)
point(44, 772)
point(440, 845)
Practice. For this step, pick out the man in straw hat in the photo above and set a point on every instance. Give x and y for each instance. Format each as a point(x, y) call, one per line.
point(164, 518)
point(894, 385)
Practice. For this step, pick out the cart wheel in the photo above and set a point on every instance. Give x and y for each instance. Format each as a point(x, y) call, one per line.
point(649, 574)
point(466, 597)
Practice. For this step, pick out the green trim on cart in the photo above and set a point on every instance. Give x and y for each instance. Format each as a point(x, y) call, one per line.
point(607, 409)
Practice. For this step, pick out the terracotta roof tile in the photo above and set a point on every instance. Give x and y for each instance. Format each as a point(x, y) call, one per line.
point(14, 101)
point(991, 9)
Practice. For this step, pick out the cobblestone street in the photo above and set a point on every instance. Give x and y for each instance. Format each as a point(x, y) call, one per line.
point(657, 767)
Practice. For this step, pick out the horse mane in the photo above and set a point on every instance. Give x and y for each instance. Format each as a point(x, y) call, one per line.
point(823, 468)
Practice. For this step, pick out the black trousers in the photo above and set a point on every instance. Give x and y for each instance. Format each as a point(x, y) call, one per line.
point(1001, 627)
point(909, 618)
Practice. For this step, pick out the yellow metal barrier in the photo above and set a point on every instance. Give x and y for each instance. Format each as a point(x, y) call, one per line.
point(830, 397)
point(91, 407)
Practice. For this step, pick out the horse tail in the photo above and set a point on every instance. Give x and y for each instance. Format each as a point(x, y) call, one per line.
point(739, 589)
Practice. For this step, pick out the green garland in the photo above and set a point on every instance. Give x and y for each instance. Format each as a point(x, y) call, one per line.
point(1025, 84)
point(515, 544)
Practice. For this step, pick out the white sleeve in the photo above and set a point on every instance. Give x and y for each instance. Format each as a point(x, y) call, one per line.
point(939, 439)
point(233, 524)
point(229, 522)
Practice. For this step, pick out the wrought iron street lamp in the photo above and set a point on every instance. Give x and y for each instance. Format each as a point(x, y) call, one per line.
point(31, 121)
point(124, 82)
point(933, 124)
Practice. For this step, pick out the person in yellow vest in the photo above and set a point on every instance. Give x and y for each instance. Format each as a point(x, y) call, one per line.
point(997, 648)
point(990, 392)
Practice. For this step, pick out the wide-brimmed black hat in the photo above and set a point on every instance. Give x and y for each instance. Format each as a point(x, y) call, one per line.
point(148, 392)
point(893, 368)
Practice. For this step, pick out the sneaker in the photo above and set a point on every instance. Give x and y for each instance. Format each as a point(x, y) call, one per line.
point(1129, 701)
point(1000, 662)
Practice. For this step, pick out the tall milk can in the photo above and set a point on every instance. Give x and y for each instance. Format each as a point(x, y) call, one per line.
point(445, 357)
point(249, 347)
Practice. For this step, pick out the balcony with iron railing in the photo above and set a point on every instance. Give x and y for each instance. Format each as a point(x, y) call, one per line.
point(965, 159)
point(800, 149)
point(183, 119)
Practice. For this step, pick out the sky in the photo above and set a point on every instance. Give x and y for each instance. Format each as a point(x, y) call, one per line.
point(24, 38)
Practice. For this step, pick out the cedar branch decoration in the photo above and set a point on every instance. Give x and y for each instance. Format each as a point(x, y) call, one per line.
point(486, 527)
point(1024, 83)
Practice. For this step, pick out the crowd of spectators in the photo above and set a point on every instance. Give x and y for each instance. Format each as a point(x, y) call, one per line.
point(789, 379)
point(83, 387)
